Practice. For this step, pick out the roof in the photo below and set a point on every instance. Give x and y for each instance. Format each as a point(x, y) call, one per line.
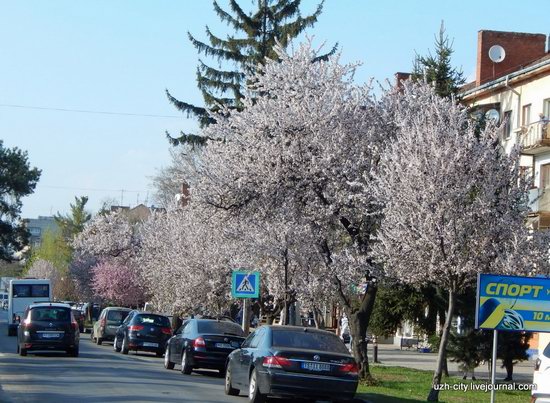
point(298, 328)
point(118, 308)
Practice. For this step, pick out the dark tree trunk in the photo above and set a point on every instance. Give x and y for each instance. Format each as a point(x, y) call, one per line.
point(433, 396)
point(358, 323)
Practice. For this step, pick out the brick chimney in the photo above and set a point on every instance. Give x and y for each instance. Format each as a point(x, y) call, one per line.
point(521, 49)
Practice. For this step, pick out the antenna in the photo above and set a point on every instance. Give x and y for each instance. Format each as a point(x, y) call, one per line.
point(497, 53)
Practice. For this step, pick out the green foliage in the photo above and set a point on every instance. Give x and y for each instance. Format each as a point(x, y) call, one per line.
point(17, 180)
point(394, 304)
point(55, 249)
point(73, 223)
point(437, 69)
point(466, 349)
point(257, 33)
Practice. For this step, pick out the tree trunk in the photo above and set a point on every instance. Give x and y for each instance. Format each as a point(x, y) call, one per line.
point(433, 396)
point(358, 324)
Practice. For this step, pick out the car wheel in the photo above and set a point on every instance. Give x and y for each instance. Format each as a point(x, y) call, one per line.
point(116, 347)
point(186, 369)
point(124, 348)
point(167, 363)
point(254, 395)
point(22, 352)
point(99, 340)
point(74, 352)
point(229, 389)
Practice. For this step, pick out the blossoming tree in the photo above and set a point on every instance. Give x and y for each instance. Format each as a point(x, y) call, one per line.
point(455, 203)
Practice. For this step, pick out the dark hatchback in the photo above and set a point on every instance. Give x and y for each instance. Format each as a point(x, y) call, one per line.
point(292, 362)
point(143, 331)
point(48, 326)
point(203, 343)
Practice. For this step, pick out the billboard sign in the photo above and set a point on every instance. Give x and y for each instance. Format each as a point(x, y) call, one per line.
point(513, 303)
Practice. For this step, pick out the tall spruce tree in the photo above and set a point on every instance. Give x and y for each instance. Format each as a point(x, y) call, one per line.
point(437, 69)
point(257, 32)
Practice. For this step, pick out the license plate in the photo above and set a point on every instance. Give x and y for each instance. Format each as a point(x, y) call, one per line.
point(315, 366)
point(223, 345)
point(51, 335)
point(150, 344)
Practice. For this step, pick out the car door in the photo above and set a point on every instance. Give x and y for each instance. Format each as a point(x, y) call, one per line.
point(121, 331)
point(246, 356)
point(176, 343)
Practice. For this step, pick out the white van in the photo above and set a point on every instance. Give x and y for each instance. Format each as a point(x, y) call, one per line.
point(22, 293)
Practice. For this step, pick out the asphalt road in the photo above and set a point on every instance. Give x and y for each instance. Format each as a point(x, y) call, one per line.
point(99, 375)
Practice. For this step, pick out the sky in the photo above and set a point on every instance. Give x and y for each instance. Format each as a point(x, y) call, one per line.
point(118, 57)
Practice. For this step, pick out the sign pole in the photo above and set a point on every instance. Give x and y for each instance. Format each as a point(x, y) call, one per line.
point(246, 318)
point(494, 365)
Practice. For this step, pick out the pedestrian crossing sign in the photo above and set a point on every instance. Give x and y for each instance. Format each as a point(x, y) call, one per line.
point(245, 284)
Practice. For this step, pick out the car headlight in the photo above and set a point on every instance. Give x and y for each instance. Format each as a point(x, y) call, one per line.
point(27, 333)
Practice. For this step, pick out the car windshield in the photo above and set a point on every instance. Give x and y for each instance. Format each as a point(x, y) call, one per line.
point(308, 340)
point(51, 314)
point(215, 327)
point(156, 320)
point(116, 317)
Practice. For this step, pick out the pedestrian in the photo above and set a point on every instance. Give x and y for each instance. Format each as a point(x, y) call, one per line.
point(344, 328)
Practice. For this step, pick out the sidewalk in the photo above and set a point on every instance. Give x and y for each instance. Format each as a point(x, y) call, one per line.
point(391, 355)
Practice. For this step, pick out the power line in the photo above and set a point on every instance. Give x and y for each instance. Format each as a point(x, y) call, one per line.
point(91, 189)
point(43, 108)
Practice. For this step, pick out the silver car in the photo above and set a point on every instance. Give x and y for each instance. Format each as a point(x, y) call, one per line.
point(107, 324)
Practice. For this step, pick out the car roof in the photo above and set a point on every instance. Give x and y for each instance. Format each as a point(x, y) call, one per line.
point(49, 304)
point(117, 308)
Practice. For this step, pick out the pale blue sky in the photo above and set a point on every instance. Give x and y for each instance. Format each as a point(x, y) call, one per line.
point(119, 56)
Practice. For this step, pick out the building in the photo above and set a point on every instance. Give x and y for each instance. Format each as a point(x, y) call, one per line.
point(513, 85)
point(138, 213)
point(38, 227)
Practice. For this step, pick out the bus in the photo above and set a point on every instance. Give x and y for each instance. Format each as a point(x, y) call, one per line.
point(22, 293)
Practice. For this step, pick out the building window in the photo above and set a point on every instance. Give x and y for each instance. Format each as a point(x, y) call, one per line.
point(545, 176)
point(35, 231)
point(526, 115)
point(507, 120)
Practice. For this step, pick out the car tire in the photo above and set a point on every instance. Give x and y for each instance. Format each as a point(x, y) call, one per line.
point(74, 352)
point(228, 387)
point(124, 348)
point(254, 394)
point(186, 368)
point(167, 363)
point(116, 347)
point(22, 352)
point(99, 340)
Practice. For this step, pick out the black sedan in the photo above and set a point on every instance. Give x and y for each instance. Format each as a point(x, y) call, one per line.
point(48, 326)
point(292, 362)
point(143, 331)
point(203, 343)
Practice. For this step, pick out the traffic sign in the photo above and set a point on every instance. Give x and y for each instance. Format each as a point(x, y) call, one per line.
point(245, 284)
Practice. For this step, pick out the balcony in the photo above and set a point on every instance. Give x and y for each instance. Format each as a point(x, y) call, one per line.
point(535, 137)
point(539, 203)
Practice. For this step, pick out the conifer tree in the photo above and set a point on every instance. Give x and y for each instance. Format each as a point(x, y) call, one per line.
point(437, 69)
point(257, 32)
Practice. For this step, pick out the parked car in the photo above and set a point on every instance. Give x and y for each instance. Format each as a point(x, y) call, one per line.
point(107, 324)
point(143, 331)
point(48, 326)
point(79, 317)
point(541, 377)
point(292, 362)
point(203, 343)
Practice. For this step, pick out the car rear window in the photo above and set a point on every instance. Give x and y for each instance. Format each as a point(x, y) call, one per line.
point(116, 317)
point(51, 314)
point(308, 340)
point(31, 290)
point(215, 327)
point(156, 320)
